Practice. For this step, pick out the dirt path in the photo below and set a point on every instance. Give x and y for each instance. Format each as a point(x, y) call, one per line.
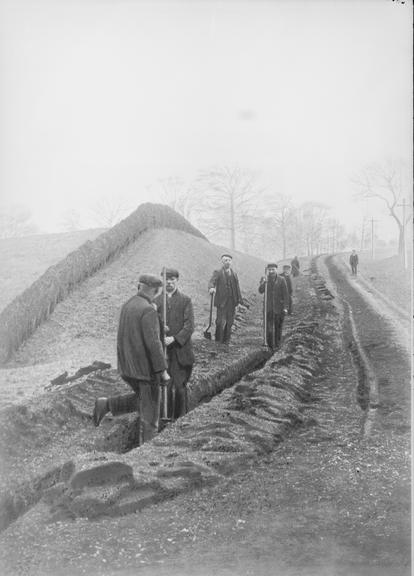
point(329, 500)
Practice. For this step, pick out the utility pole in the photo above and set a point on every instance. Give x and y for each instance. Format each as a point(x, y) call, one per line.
point(404, 252)
point(372, 237)
point(363, 234)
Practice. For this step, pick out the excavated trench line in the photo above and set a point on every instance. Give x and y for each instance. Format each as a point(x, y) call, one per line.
point(212, 440)
point(367, 381)
point(367, 391)
point(23, 497)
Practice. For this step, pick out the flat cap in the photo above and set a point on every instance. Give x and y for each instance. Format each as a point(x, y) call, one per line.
point(171, 273)
point(150, 280)
point(271, 265)
point(287, 266)
point(227, 256)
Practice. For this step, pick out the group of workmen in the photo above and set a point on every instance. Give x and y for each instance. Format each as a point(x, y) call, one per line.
point(154, 349)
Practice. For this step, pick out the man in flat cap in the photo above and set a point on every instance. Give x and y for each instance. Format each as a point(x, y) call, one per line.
point(224, 284)
point(277, 304)
point(295, 266)
point(141, 361)
point(286, 275)
point(179, 317)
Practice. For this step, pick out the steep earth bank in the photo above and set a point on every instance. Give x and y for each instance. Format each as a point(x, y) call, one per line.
point(330, 499)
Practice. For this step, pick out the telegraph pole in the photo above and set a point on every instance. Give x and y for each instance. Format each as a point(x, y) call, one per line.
point(363, 234)
point(404, 253)
point(372, 237)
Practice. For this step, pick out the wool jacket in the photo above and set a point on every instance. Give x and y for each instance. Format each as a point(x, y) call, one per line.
point(277, 295)
point(227, 288)
point(180, 322)
point(139, 347)
point(288, 281)
point(295, 267)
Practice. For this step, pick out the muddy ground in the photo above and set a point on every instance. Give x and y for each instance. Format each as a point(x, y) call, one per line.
point(332, 498)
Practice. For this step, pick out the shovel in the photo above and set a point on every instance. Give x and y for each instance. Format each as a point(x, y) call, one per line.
point(164, 392)
point(164, 407)
point(206, 332)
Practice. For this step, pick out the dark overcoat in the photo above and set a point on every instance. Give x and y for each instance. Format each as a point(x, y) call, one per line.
point(288, 281)
point(219, 281)
point(277, 295)
point(139, 347)
point(180, 321)
point(295, 267)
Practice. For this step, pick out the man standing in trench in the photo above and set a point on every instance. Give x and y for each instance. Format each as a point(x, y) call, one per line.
point(141, 361)
point(224, 284)
point(177, 340)
point(286, 275)
point(277, 303)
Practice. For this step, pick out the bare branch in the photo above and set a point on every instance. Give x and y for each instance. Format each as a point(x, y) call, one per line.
point(384, 182)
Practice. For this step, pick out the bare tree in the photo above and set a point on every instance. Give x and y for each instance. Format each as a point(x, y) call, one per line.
point(180, 196)
point(227, 194)
point(313, 217)
point(334, 235)
point(388, 183)
point(16, 220)
point(282, 212)
point(108, 211)
point(258, 238)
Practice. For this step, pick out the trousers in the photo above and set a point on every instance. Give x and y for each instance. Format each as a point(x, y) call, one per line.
point(224, 321)
point(274, 323)
point(177, 387)
point(145, 400)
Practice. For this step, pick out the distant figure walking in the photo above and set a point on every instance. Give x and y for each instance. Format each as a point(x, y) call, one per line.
point(224, 284)
point(353, 260)
point(177, 339)
point(277, 303)
point(286, 275)
point(295, 266)
point(141, 361)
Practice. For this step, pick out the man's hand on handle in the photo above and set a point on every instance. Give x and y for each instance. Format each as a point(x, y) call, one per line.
point(168, 340)
point(165, 378)
point(162, 378)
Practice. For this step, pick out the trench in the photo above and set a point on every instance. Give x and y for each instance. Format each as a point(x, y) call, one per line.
point(17, 501)
point(367, 384)
point(367, 388)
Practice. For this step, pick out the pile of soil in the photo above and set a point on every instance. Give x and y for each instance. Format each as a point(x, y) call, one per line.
point(328, 501)
point(82, 328)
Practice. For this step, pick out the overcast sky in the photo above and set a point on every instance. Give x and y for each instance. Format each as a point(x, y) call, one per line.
point(105, 97)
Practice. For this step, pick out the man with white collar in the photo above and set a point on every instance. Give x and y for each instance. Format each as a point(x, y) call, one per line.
point(177, 339)
point(277, 304)
point(141, 361)
point(224, 284)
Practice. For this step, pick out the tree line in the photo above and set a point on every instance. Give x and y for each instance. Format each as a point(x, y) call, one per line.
point(229, 206)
